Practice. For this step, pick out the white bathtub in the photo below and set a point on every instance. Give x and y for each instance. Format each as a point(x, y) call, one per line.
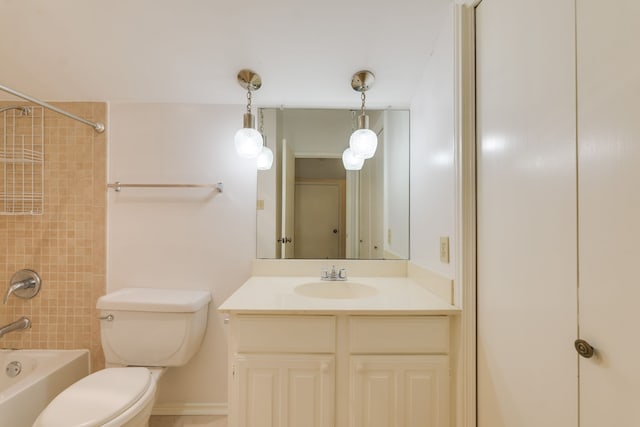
point(43, 374)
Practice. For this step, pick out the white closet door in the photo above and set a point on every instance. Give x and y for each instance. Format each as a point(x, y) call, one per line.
point(527, 266)
point(609, 187)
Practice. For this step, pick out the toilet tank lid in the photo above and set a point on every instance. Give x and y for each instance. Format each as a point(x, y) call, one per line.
point(160, 300)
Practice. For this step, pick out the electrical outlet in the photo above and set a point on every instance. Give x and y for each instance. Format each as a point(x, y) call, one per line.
point(444, 249)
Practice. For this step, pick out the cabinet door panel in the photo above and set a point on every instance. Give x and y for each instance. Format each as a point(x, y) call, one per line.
point(260, 388)
point(376, 398)
point(309, 396)
point(283, 391)
point(399, 391)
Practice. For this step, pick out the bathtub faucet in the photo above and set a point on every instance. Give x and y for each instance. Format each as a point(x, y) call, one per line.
point(22, 323)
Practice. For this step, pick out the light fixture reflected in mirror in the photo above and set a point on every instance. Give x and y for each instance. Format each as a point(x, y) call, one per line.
point(363, 141)
point(265, 159)
point(248, 140)
point(351, 162)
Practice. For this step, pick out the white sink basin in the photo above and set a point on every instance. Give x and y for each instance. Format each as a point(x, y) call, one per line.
point(335, 290)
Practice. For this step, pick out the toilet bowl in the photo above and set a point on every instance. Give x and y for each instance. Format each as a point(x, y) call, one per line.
point(143, 331)
point(112, 397)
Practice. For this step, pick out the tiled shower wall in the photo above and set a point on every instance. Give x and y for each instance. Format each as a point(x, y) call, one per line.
point(66, 244)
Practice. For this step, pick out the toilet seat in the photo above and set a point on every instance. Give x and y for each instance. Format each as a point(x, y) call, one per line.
point(97, 399)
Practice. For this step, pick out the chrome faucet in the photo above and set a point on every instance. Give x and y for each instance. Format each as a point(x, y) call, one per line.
point(22, 284)
point(22, 323)
point(333, 275)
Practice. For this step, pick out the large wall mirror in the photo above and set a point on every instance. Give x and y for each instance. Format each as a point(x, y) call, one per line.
point(309, 207)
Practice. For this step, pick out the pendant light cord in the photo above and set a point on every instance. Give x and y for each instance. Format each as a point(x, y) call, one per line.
point(261, 122)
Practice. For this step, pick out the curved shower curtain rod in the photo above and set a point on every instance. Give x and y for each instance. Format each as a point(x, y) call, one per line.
point(97, 126)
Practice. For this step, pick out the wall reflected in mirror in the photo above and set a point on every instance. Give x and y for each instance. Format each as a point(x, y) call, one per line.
point(310, 207)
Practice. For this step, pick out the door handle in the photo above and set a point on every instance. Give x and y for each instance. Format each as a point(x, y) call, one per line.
point(584, 349)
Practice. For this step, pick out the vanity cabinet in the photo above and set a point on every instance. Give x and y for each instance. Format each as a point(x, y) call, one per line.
point(338, 370)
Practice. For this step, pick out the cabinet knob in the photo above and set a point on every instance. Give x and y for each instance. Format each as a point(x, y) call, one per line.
point(584, 349)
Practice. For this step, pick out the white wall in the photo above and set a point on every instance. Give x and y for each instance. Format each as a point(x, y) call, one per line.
point(432, 156)
point(182, 238)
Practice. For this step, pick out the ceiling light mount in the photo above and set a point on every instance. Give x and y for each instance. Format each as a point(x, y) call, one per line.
point(249, 80)
point(362, 81)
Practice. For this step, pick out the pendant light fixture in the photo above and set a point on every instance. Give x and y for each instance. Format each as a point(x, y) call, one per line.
point(265, 157)
point(350, 161)
point(363, 141)
point(248, 140)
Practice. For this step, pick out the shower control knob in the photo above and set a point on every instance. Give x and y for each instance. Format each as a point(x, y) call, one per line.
point(584, 349)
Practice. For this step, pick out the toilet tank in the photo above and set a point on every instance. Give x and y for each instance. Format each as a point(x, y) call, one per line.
point(152, 327)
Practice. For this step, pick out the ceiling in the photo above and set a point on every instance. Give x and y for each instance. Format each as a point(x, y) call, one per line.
point(189, 51)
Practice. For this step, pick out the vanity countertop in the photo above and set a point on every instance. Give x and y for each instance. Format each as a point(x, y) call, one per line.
point(383, 295)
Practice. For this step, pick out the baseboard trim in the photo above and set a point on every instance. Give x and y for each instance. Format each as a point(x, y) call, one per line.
point(190, 409)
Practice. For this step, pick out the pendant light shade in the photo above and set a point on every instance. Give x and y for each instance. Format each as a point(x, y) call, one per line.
point(248, 140)
point(350, 161)
point(248, 143)
point(265, 159)
point(363, 141)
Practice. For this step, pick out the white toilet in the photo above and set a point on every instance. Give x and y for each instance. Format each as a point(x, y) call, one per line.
point(143, 332)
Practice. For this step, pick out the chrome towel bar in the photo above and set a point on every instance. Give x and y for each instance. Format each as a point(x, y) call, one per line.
point(219, 186)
